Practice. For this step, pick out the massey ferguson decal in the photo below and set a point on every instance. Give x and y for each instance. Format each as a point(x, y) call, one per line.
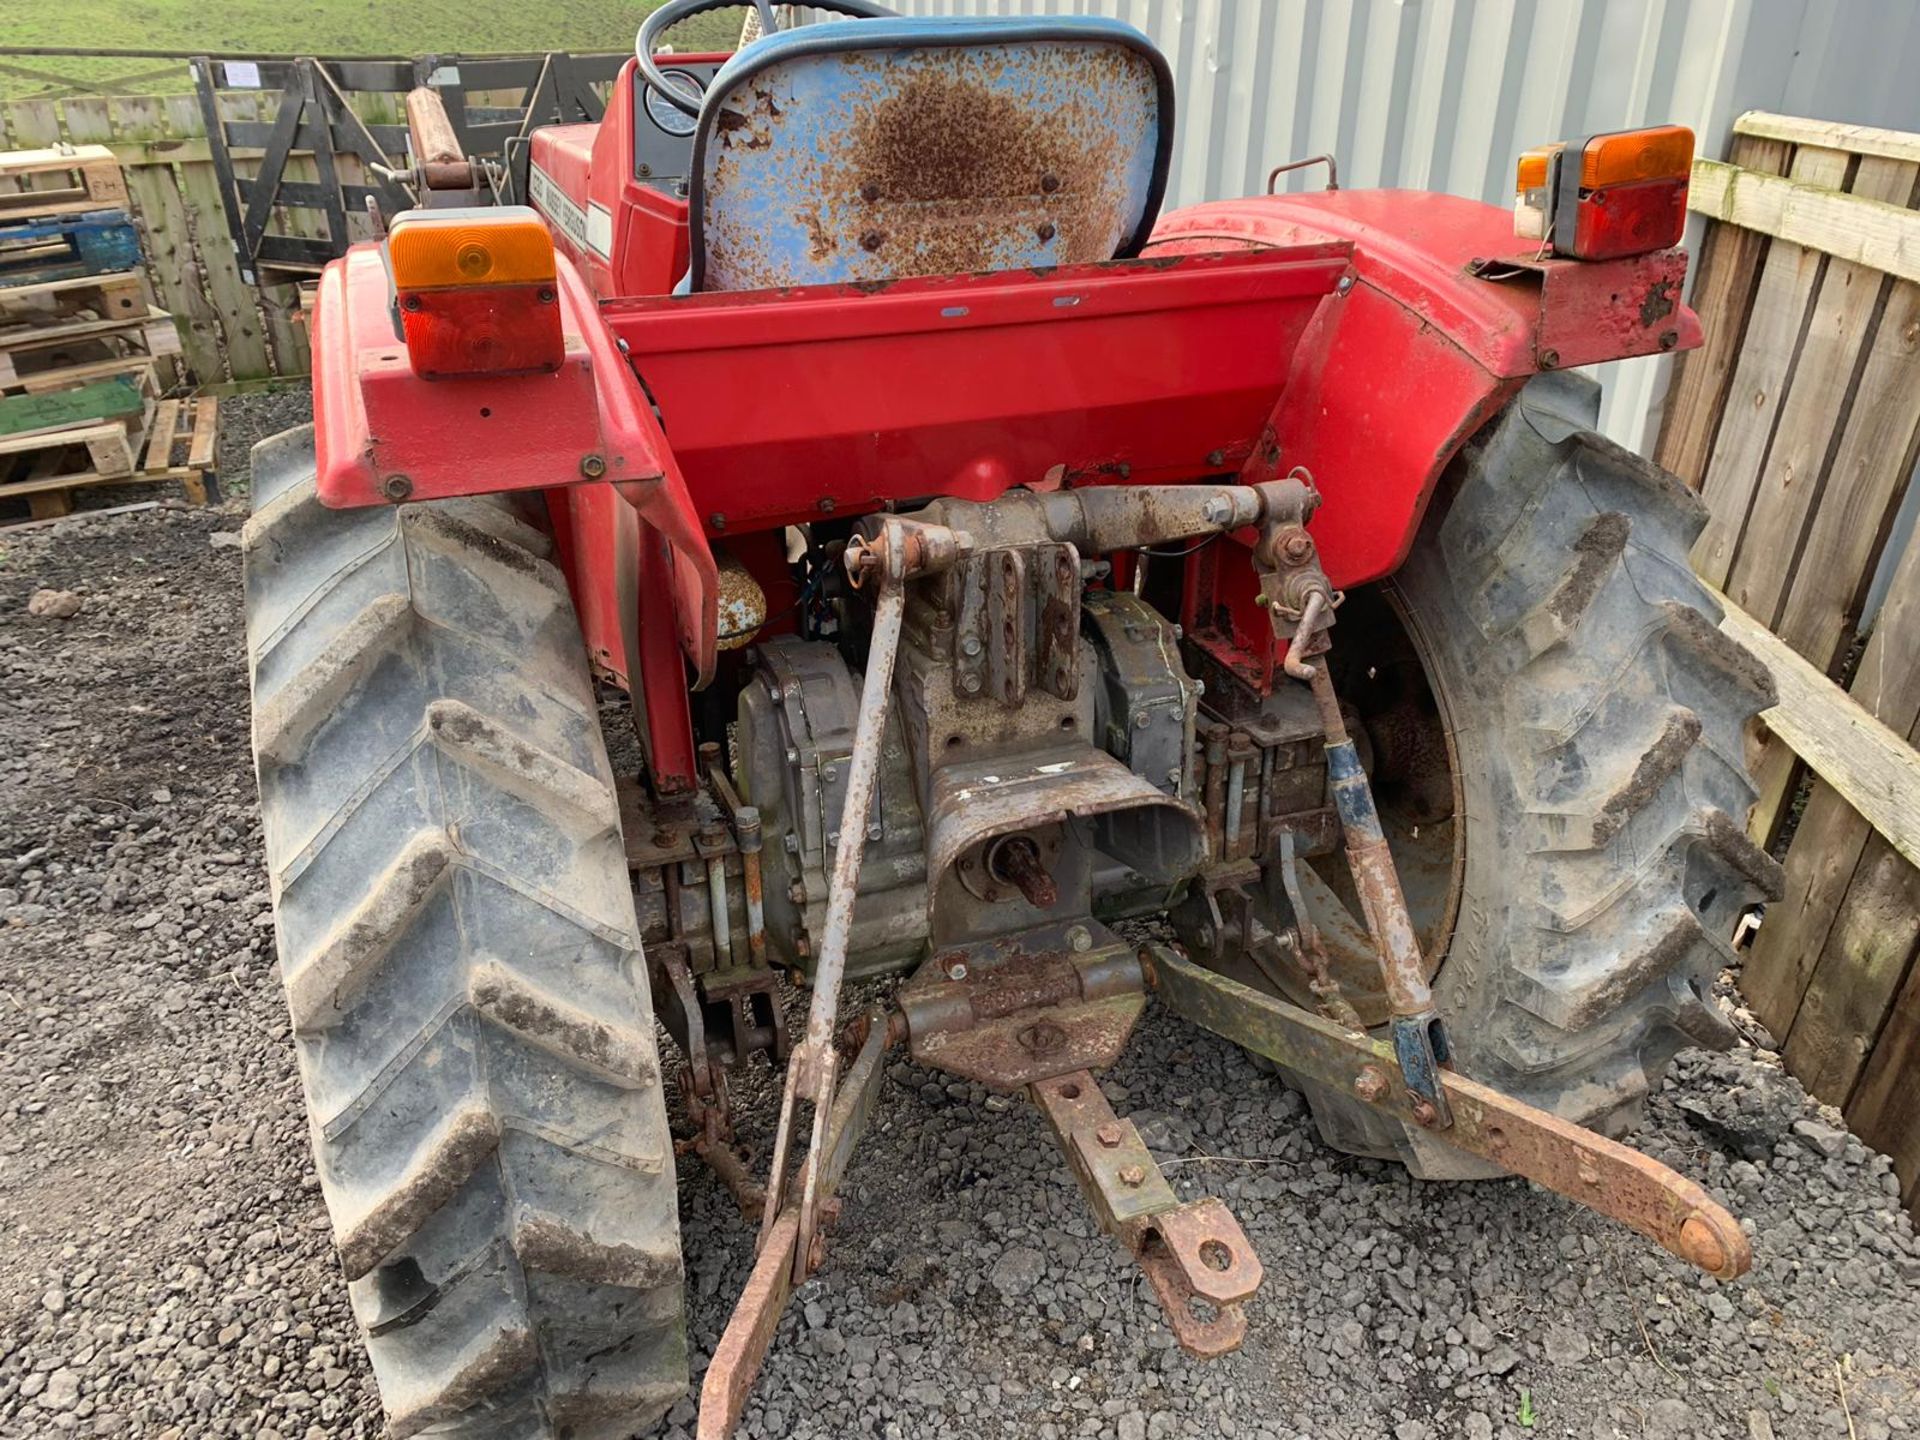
point(567, 216)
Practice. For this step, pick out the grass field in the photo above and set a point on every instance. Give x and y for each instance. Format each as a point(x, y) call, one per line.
point(315, 27)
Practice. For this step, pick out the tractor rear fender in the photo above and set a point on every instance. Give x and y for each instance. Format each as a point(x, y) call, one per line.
point(1423, 343)
point(627, 529)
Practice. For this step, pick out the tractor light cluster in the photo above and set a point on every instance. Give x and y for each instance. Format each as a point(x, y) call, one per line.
point(1606, 196)
point(475, 291)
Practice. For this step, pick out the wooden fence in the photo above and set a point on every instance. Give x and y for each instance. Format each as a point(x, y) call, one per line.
point(1799, 421)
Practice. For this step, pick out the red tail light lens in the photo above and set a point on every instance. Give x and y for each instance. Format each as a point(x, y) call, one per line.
point(491, 330)
point(1629, 220)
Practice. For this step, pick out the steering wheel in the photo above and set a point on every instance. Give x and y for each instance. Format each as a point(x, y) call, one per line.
point(674, 11)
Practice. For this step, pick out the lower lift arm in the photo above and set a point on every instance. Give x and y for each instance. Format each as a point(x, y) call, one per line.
point(1409, 1078)
point(1597, 1172)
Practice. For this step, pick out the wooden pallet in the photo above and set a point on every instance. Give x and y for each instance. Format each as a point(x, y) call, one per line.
point(65, 180)
point(65, 377)
point(104, 419)
point(28, 350)
point(175, 442)
point(97, 242)
point(42, 413)
point(116, 296)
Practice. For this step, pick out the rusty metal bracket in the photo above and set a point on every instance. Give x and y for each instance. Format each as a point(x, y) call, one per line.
point(1196, 1257)
point(714, 1143)
point(1599, 1173)
point(1202, 1268)
point(1590, 313)
point(784, 1257)
point(703, 1083)
point(1307, 946)
point(1017, 1008)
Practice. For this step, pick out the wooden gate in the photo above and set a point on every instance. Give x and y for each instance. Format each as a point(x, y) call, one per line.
point(493, 103)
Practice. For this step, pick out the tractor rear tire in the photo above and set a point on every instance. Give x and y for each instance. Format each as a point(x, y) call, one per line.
point(462, 963)
point(1598, 720)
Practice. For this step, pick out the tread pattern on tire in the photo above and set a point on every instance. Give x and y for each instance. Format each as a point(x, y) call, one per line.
point(1601, 718)
point(462, 963)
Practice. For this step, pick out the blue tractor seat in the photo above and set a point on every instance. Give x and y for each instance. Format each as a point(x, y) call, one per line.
point(868, 150)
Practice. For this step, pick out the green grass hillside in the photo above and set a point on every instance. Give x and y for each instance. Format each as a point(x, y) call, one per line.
point(318, 27)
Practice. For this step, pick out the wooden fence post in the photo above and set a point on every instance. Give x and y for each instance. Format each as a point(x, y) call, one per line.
point(1728, 272)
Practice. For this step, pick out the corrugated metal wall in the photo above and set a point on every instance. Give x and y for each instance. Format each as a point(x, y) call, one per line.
point(1443, 94)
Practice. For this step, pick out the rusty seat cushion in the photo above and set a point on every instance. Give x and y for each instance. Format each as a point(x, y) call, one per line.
point(866, 150)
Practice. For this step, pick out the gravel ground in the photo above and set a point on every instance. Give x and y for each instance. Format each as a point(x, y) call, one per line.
point(165, 1263)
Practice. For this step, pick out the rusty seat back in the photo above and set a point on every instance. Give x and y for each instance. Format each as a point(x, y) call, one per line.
point(868, 150)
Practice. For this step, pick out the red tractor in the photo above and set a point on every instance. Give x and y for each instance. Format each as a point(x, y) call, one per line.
point(970, 537)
